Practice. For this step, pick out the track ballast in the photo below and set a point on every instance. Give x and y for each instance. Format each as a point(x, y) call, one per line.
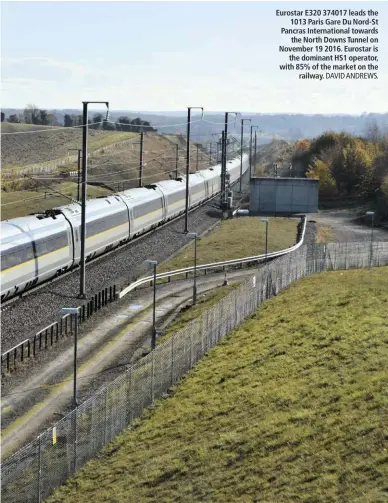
point(38, 309)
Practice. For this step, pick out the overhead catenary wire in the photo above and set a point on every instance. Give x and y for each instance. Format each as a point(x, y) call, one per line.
point(73, 200)
point(99, 180)
point(135, 179)
point(63, 128)
point(51, 189)
point(95, 153)
point(168, 170)
point(24, 200)
point(114, 172)
point(132, 162)
point(56, 128)
point(153, 125)
point(165, 154)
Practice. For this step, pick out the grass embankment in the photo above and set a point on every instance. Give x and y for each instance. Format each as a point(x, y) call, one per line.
point(239, 237)
point(204, 302)
point(44, 145)
point(21, 203)
point(290, 407)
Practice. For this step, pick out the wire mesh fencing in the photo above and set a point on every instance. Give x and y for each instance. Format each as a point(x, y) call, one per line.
point(33, 472)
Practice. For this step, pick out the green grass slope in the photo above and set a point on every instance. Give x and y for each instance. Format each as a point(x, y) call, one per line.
point(291, 407)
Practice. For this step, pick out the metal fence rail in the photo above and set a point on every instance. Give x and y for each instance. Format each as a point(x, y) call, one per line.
point(55, 331)
point(220, 265)
point(32, 473)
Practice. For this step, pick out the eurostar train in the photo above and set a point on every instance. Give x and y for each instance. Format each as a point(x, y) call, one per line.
point(42, 246)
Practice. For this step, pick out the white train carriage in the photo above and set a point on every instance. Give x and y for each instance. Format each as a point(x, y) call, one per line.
point(36, 248)
point(174, 192)
point(33, 249)
point(107, 225)
point(233, 167)
point(197, 189)
point(212, 180)
point(146, 208)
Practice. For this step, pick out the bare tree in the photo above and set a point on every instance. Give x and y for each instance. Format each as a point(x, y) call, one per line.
point(31, 114)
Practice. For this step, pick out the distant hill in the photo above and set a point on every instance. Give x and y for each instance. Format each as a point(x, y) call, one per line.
point(286, 126)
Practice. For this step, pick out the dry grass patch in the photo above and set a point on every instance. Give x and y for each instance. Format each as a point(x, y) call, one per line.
point(325, 234)
point(21, 150)
point(22, 203)
point(236, 238)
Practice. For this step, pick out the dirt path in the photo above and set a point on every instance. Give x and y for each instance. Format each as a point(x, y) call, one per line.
point(346, 227)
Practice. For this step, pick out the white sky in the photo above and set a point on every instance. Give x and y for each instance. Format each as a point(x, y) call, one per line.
point(169, 55)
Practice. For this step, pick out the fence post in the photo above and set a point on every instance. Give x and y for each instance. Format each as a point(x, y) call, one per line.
point(75, 440)
point(152, 376)
point(220, 318)
point(235, 309)
point(130, 396)
point(106, 407)
point(172, 360)
point(202, 334)
point(191, 347)
point(39, 468)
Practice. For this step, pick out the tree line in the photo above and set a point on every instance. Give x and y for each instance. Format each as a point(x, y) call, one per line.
point(345, 164)
point(98, 121)
point(34, 115)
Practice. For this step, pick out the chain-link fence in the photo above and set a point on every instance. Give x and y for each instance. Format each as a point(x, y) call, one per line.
point(31, 474)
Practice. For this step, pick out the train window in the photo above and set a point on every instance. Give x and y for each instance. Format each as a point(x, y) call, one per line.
point(16, 256)
point(147, 207)
point(51, 243)
point(106, 223)
point(8, 260)
point(197, 188)
point(177, 196)
point(5, 261)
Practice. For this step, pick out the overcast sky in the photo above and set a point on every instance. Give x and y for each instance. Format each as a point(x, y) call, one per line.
point(169, 55)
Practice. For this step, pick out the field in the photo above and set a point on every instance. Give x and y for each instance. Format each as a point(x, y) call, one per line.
point(30, 148)
point(239, 237)
point(117, 168)
point(298, 416)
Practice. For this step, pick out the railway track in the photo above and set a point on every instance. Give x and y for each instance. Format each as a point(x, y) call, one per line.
point(7, 303)
point(101, 357)
point(40, 307)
